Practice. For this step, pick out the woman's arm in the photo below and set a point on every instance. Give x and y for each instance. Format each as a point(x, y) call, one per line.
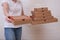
point(22, 11)
point(6, 9)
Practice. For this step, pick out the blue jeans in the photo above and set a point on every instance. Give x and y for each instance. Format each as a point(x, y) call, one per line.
point(13, 33)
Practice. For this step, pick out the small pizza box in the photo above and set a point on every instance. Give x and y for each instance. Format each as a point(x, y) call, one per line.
point(18, 20)
point(40, 9)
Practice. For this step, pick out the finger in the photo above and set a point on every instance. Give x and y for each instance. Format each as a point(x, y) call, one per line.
point(10, 20)
point(11, 17)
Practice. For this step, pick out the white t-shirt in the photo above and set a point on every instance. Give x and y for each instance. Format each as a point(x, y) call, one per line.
point(14, 10)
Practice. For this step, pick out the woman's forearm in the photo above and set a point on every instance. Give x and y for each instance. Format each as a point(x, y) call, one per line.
point(6, 13)
point(6, 9)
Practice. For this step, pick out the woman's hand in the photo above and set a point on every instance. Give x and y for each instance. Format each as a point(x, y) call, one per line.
point(9, 18)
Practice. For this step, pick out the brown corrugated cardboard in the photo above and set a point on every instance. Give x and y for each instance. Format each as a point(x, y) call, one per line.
point(39, 16)
point(39, 13)
point(40, 9)
point(54, 20)
point(42, 18)
point(51, 20)
point(18, 20)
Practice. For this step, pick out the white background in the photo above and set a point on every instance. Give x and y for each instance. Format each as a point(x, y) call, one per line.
point(49, 31)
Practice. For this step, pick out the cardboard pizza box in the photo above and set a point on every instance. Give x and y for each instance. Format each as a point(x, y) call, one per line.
point(37, 22)
point(40, 9)
point(21, 22)
point(42, 18)
point(37, 10)
point(51, 20)
point(18, 20)
point(54, 20)
point(39, 14)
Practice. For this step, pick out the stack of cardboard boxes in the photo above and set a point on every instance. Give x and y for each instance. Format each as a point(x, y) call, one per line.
point(39, 16)
point(42, 15)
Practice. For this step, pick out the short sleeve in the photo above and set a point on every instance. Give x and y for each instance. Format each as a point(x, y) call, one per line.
point(3, 1)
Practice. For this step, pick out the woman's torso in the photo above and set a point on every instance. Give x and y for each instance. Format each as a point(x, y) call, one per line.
point(14, 10)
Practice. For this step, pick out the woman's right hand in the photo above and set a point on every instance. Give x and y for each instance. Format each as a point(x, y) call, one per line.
point(9, 19)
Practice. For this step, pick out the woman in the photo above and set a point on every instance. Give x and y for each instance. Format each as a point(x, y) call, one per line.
point(12, 8)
